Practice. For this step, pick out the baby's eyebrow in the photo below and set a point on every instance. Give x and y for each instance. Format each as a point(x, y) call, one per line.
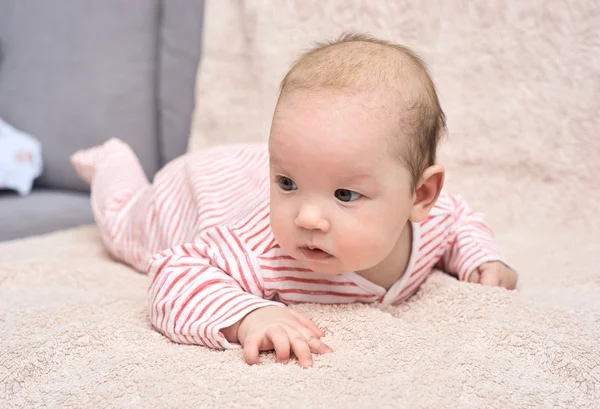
point(274, 159)
point(276, 162)
point(358, 177)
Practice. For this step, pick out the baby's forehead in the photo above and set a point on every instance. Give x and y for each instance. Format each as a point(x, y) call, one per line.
point(335, 152)
point(374, 102)
point(346, 123)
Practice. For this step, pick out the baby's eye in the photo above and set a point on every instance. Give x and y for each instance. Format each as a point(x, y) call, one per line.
point(345, 195)
point(286, 184)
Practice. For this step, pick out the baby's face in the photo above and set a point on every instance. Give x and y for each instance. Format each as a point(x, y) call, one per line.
point(339, 198)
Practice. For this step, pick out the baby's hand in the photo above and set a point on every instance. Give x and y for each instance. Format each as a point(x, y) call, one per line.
point(281, 329)
point(494, 273)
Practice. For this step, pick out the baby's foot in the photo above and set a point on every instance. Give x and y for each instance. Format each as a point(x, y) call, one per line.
point(85, 161)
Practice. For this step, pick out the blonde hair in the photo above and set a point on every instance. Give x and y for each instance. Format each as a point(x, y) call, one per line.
point(361, 61)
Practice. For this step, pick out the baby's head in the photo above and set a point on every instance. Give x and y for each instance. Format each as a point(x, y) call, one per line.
point(352, 147)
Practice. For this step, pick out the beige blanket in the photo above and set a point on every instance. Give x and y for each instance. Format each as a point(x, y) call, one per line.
point(520, 84)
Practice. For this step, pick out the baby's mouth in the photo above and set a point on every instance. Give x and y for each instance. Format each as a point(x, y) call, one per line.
point(314, 253)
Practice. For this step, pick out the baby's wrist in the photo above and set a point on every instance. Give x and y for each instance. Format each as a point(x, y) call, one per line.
point(231, 333)
point(241, 328)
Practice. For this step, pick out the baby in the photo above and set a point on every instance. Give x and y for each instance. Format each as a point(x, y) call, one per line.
point(346, 205)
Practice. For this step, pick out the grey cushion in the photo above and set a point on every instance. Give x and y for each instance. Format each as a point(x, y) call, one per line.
point(180, 47)
point(75, 73)
point(43, 211)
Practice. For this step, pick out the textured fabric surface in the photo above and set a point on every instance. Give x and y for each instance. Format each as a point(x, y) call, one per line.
point(42, 211)
point(77, 335)
point(519, 83)
point(75, 73)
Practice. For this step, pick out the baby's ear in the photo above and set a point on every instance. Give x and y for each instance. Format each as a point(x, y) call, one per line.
point(427, 192)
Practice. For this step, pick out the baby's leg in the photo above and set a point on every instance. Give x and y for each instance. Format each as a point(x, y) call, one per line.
point(121, 199)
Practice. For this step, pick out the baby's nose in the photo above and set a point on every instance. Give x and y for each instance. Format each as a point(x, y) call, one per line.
point(311, 218)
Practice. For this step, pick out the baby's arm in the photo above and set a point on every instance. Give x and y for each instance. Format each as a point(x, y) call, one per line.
point(191, 299)
point(208, 293)
point(472, 248)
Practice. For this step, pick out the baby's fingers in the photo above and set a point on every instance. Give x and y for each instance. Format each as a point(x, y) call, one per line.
point(490, 277)
point(300, 348)
point(307, 323)
point(252, 350)
point(319, 347)
point(509, 280)
point(315, 344)
point(281, 343)
point(475, 277)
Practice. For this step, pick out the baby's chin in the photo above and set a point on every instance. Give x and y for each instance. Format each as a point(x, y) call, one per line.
point(330, 266)
point(323, 270)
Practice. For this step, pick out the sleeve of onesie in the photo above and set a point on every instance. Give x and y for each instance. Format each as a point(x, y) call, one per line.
point(199, 288)
point(471, 241)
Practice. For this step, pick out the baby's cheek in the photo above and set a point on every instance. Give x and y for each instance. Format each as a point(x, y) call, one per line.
point(281, 226)
point(360, 245)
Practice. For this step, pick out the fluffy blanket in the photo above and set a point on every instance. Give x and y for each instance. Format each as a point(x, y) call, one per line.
point(519, 82)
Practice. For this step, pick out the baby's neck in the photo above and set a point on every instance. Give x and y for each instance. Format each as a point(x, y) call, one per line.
point(390, 270)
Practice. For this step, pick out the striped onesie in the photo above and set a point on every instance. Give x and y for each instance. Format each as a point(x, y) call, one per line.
point(201, 232)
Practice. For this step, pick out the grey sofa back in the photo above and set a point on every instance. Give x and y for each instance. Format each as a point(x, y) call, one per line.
point(75, 73)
